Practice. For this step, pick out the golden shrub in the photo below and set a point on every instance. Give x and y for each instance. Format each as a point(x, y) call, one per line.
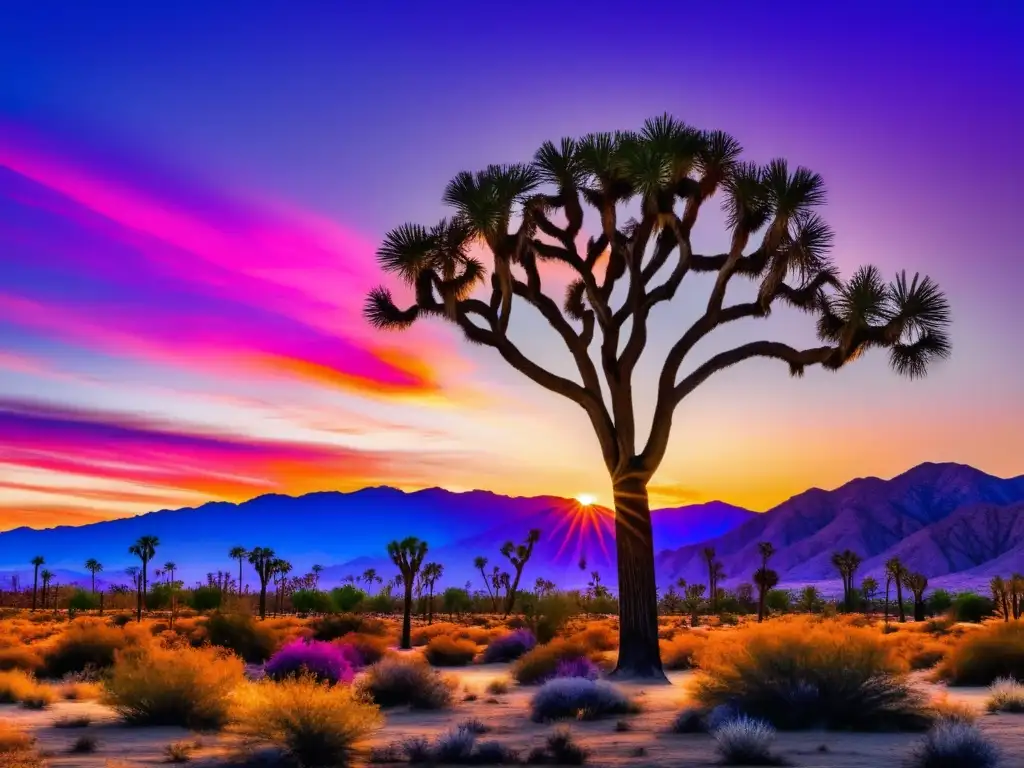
point(446, 651)
point(681, 651)
point(188, 687)
point(985, 655)
point(317, 724)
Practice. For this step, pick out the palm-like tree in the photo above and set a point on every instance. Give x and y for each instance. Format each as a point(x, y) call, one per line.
point(263, 559)
point(145, 550)
point(524, 213)
point(37, 561)
point(169, 568)
point(896, 571)
point(46, 576)
point(408, 555)
point(917, 583)
point(766, 550)
point(480, 563)
point(316, 570)
point(766, 580)
point(93, 566)
point(869, 587)
point(847, 562)
point(239, 554)
point(432, 573)
point(281, 570)
point(370, 578)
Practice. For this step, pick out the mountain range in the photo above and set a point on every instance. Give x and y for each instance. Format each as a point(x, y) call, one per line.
point(957, 525)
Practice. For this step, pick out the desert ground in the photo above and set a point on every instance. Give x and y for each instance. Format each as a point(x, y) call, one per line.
point(103, 726)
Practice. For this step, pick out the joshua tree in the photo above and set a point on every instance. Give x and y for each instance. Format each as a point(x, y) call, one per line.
point(408, 555)
point(869, 588)
point(36, 562)
point(145, 550)
point(895, 569)
point(1001, 597)
point(239, 554)
point(263, 559)
point(595, 589)
point(431, 573)
point(809, 600)
point(518, 556)
point(1016, 587)
point(847, 562)
point(316, 570)
point(47, 577)
point(135, 573)
point(526, 214)
point(767, 550)
point(370, 577)
point(93, 566)
point(693, 601)
point(169, 568)
point(279, 571)
point(480, 563)
point(917, 584)
point(766, 580)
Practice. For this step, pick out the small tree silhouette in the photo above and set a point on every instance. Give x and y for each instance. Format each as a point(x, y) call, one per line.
point(766, 549)
point(36, 562)
point(262, 560)
point(847, 562)
point(408, 555)
point(93, 566)
point(917, 583)
point(239, 554)
point(518, 556)
point(432, 573)
point(145, 550)
point(894, 568)
point(480, 563)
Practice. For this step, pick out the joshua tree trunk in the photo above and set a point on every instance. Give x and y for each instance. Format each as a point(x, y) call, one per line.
point(888, 583)
point(899, 600)
point(263, 600)
point(239, 579)
point(760, 602)
point(407, 618)
point(35, 587)
point(430, 605)
point(639, 655)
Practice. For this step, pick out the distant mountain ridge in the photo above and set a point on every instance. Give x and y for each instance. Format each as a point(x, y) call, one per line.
point(954, 523)
point(940, 519)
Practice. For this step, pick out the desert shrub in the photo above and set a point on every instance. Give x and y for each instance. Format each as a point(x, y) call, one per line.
point(347, 598)
point(454, 747)
point(370, 648)
point(316, 724)
point(21, 657)
point(578, 697)
point(545, 616)
point(335, 626)
point(445, 651)
point(509, 647)
point(1005, 695)
point(78, 721)
point(251, 640)
point(325, 662)
point(690, 720)
point(499, 686)
point(307, 601)
point(13, 739)
point(82, 601)
point(939, 602)
point(205, 599)
point(423, 635)
point(188, 687)
point(397, 681)
point(970, 607)
point(559, 749)
point(598, 638)
point(80, 690)
point(179, 751)
point(580, 666)
point(680, 652)
point(39, 698)
point(744, 741)
point(479, 635)
point(85, 645)
point(84, 745)
point(808, 673)
point(954, 745)
point(983, 656)
point(942, 707)
point(540, 664)
point(17, 686)
point(121, 619)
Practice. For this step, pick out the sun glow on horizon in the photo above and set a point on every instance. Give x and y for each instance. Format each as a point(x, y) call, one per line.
point(586, 499)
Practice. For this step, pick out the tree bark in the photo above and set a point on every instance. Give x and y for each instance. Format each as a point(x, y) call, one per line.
point(263, 600)
point(639, 654)
point(899, 601)
point(407, 618)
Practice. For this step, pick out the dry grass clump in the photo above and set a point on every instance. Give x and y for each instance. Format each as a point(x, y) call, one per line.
point(1005, 695)
point(597, 638)
point(807, 674)
point(179, 751)
point(681, 651)
point(13, 739)
point(446, 651)
point(23, 657)
point(540, 664)
point(560, 749)
point(17, 687)
point(944, 708)
point(982, 657)
point(396, 681)
point(316, 724)
point(579, 698)
point(371, 648)
point(84, 745)
point(254, 641)
point(188, 687)
point(954, 745)
point(499, 686)
point(335, 626)
point(919, 649)
point(86, 644)
point(479, 635)
point(423, 635)
point(743, 741)
point(77, 721)
point(80, 690)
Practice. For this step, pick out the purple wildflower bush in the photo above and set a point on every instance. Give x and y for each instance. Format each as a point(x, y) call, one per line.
point(577, 667)
point(509, 647)
point(325, 661)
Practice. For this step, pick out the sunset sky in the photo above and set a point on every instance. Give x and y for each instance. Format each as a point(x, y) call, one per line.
point(191, 197)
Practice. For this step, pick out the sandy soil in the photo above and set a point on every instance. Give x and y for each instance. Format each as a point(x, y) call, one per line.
point(508, 718)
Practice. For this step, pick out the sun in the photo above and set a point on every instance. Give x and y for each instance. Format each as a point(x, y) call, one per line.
point(586, 499)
